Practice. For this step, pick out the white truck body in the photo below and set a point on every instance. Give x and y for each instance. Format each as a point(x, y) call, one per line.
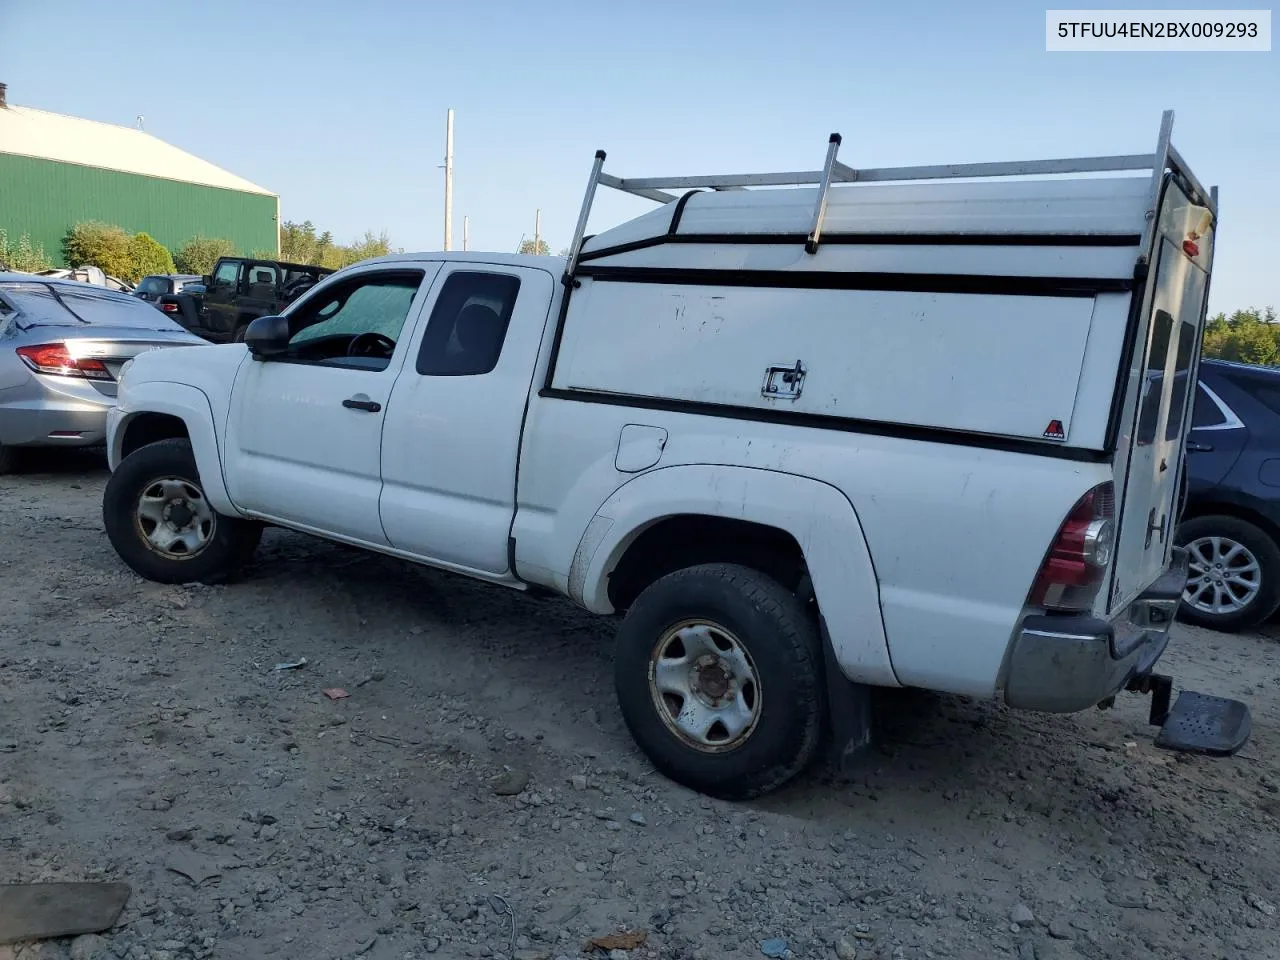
point(914, 404)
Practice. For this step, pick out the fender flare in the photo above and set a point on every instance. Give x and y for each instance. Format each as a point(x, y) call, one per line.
point(818, 515)
point(190, 405)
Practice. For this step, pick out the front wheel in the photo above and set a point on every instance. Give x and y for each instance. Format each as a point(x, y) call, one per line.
point(162, 525)
point(719, 677)
point(1234, 578)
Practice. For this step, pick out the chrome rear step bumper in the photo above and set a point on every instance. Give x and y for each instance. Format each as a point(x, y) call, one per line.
point(1062, 664)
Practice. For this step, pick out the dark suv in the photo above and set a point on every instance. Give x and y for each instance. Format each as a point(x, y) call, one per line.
point(1231, 523)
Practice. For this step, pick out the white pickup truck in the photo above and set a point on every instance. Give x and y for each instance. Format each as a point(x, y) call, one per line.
point(806, 442)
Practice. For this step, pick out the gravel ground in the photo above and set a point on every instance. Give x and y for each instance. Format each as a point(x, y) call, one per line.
point(476, 794)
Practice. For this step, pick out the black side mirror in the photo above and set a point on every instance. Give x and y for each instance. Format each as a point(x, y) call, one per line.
point(267, 337)
point(207, 280)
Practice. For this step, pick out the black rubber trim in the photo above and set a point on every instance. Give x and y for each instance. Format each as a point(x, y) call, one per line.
point(568, 282)
point(867, 239)
point(839, 280)
point(877, 428)
point(678, 212)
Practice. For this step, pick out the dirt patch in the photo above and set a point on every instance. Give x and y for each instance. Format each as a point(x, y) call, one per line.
point(477, 796)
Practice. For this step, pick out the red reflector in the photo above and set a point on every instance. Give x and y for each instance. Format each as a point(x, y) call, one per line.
point(1190, 249)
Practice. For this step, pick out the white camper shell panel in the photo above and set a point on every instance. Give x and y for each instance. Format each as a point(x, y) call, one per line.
point(1097, 207)
point(1012, 358)
point(994, 364)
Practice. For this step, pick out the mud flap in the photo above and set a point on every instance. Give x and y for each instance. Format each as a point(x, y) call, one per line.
point(849, 712)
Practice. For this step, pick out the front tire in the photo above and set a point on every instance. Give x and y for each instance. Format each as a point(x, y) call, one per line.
point(718, 675)
point(1234, 582)
point(163, 527)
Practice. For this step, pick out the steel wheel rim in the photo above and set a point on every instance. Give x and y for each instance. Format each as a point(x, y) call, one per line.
point(1224, 576)
point(173, 518)
point(704, 686)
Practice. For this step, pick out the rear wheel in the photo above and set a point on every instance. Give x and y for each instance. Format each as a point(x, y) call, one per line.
point(162, 525)
point(240, 332)
point(719, 677)
point(1234, 577)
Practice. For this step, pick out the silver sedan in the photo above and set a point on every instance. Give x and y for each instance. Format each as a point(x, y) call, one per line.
point(62, 345)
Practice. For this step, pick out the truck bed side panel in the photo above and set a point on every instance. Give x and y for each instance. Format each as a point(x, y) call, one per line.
point(955, 533)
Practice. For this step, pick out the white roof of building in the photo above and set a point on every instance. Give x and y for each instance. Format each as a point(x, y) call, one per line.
point(53, 136)
point(1089, 206)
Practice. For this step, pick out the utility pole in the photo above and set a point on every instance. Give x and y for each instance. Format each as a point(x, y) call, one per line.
point(466, 233)
point(448, 182)
point(537, 232)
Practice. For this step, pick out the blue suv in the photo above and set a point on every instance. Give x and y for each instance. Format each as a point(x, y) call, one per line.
point(1231, 520)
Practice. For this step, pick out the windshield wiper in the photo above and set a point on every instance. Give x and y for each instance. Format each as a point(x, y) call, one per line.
point(57, 296)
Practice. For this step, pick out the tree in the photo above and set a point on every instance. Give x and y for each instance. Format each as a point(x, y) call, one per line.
point(1247, 336)
point(298, 242)
point(543, 249)
point(101, 245)
point(23, 256)
point(147, 256)
point(368, 246)
point(198, 255)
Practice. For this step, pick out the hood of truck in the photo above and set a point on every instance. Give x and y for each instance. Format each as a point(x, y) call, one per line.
point(208, 367)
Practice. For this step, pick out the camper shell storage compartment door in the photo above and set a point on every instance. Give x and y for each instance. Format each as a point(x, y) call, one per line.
point(1005, 364)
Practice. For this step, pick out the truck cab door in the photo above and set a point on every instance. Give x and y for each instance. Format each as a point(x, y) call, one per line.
point(305, 430)
point(453, 427)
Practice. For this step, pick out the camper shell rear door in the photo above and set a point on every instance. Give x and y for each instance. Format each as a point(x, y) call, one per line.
point(1152, 431)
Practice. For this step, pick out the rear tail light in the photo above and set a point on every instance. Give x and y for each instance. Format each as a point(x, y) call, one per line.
point(169, 307)
point(1077, 562)
point(56, 359)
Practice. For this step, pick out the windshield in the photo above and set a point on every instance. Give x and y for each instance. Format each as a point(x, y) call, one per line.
point(153, 285)
point(37, 303)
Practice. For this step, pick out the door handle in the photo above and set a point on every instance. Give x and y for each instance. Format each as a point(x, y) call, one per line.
point(1193, 447)
point(355, 403)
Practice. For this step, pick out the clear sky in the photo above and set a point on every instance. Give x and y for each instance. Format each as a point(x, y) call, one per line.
point(339, 106)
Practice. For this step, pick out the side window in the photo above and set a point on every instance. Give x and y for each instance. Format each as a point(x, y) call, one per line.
point(357, 322)
point(227, 274)
point(468, 324)
point(1206, 413)
point(262, 280)
point(1181, 373)
point(1153, 377)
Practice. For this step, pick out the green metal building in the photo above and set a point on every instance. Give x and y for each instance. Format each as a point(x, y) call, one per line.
point(56, 171)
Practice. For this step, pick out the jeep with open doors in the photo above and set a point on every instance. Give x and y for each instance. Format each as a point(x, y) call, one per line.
point(235, 293)
point(895, 427)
